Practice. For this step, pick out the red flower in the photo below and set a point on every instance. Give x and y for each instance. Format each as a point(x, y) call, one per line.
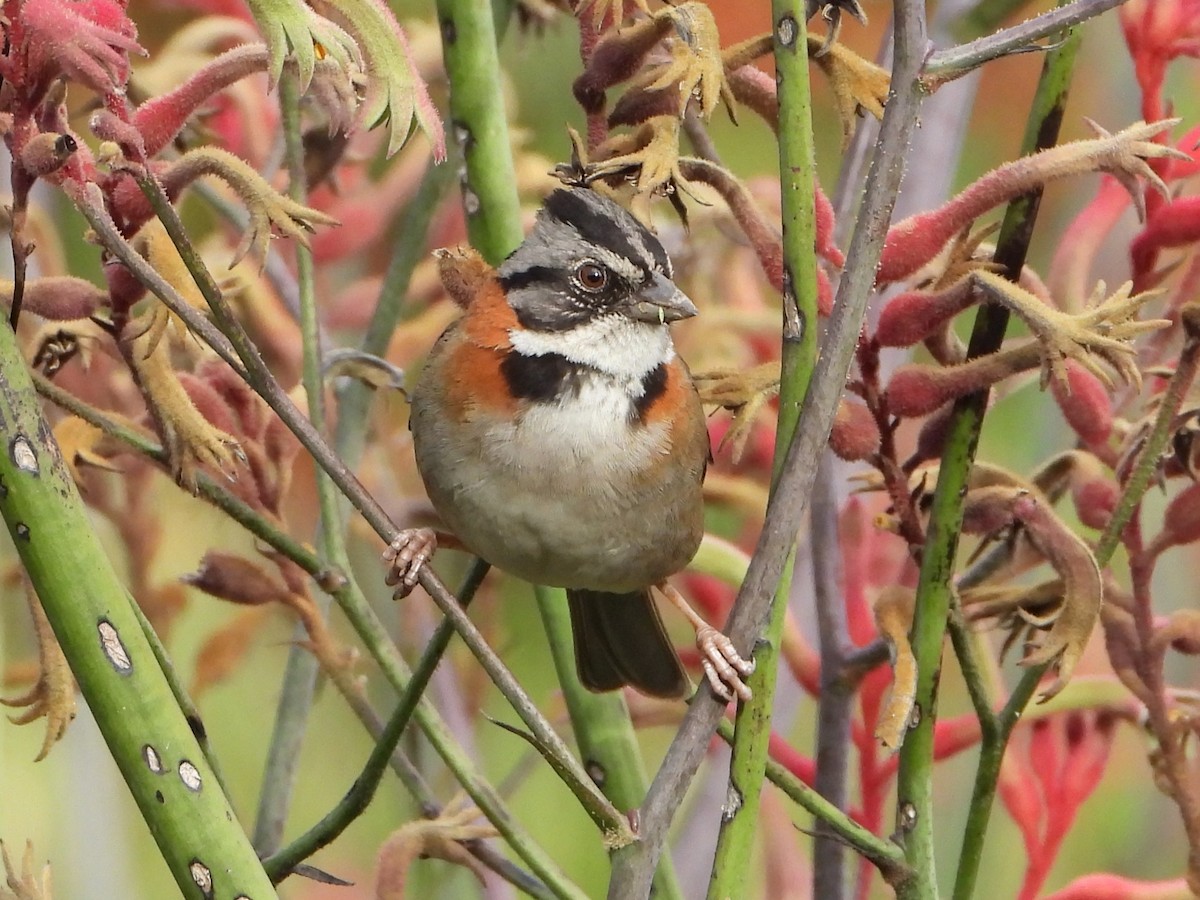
point(1158, 31)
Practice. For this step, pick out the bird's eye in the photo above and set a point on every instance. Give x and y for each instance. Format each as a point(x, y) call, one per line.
point(591, 276)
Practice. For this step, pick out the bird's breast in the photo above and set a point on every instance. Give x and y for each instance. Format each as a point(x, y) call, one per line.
point(577, 491)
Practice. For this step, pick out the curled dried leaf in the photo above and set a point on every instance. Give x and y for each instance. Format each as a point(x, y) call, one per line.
point(52, 696)
point(745, 393)
point(893, 618)
point(268, 208)
point(1083, 589)
point(25, 885)
point(439, 838)
point(226, 648)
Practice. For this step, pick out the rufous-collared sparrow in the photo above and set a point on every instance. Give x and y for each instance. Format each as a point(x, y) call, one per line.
point(562, 440)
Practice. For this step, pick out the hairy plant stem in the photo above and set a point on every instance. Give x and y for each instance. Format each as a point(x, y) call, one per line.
point(797, 166)
point(945, 65)
point(934, 590)
point(634, 865)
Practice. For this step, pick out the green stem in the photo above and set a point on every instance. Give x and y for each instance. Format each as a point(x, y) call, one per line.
point(300, 673)
point(797, 166)
point(934, 594)
point(603, 730)
point(884, 854)
point(354, 397)
point(479, 126)
point(352, 805)
point(102, 638)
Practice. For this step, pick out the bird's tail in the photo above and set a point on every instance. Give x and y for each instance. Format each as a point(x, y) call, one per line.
point(620, 640)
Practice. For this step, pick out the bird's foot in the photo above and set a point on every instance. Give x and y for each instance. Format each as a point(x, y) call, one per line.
point(405, 555)
point(723, 665)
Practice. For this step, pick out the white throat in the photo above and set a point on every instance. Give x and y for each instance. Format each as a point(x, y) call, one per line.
point(615, 344)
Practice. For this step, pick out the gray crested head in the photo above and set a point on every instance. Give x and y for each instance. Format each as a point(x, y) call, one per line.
point(587, 257)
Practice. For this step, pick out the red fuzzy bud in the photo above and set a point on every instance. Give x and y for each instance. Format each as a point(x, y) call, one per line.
point(931, 440)
point(916, 390)
point(1095, 498)
point(61, 298)
point(855, 434)
point(1181, 522)
point(914, 315)
point(1085, 403)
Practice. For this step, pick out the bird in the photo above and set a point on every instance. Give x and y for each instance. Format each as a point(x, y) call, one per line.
point(561, 439)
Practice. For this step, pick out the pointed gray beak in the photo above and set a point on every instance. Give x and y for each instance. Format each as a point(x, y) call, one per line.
point(659, 300)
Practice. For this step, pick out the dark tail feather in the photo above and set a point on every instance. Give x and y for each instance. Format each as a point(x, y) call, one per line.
point(620, 640)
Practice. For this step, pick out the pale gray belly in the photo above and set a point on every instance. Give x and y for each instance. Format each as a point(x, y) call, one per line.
point(552, 498)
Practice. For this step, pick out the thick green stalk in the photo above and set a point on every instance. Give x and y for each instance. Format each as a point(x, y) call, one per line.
point(934, 594)
point(603, 729)
point(797, 167)
point(375, 638)
point(90, 611)
point(479, 126)
point(1041, 131)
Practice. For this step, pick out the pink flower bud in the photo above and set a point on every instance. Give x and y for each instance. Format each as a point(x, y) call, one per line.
point(855, 434)
point(916, 390)
point(1181, 522)
point(1095, 498)
point(1085, 403)
point(914, 315)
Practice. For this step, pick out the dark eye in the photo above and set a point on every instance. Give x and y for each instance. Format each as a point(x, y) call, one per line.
point(591, 276)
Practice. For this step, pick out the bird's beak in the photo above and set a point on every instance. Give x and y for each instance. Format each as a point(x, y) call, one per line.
point(659, 300)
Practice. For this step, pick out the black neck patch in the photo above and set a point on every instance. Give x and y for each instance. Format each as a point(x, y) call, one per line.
point(539, 378)
point(653, 386)
point(549, 377)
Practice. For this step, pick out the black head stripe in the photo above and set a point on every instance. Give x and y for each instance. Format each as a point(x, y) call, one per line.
point(602, 222)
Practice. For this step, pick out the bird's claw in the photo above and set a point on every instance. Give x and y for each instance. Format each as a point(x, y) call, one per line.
point(405, 555)
point(723, 665)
